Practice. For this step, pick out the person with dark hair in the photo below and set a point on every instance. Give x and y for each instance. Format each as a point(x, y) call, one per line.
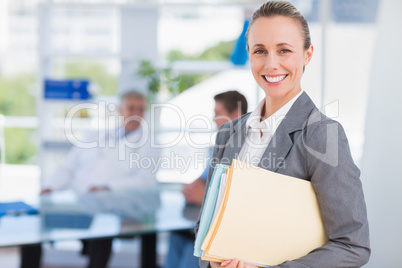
point(228, 106)
point(306, 144)
point(100, 169)
point(232, 100)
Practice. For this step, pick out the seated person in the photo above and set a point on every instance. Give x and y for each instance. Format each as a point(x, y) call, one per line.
point(103, 168)
point(228, 106)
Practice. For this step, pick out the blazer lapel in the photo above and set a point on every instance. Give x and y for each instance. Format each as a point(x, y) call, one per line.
point(281, 143)
point(236, 140)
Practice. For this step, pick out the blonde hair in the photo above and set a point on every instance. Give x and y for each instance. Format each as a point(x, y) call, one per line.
point(282, 8)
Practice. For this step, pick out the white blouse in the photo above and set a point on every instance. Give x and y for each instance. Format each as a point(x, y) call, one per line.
point(259, 133)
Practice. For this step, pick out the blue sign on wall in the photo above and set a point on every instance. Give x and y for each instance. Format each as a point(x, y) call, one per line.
point(67, 89)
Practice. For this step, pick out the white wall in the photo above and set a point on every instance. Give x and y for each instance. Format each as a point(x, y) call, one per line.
point(138, 42)
point(3, 26)
point(382, 161)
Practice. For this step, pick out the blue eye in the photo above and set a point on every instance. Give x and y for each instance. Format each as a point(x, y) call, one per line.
point(259, 51)
point(283, 51)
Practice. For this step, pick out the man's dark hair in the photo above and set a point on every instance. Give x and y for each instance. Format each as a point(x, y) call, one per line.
point(232, 100)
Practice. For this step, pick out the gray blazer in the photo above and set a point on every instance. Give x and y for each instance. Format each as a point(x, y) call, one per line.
point(312, 147)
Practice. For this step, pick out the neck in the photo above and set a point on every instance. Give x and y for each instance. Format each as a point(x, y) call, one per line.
point(272, 105)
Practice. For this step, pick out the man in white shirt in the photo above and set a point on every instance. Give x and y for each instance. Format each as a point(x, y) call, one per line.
point(105, 167)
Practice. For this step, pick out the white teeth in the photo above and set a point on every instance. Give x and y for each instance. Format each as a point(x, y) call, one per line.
point(275, 78)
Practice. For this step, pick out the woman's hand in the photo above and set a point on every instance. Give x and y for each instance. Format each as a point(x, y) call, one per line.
point(235, 263)
point(215, 264)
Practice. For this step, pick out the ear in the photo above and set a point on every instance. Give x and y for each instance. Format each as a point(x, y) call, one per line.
point(235, 114)
point(308, 54)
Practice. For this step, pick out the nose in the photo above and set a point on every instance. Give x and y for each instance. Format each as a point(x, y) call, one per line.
point(271, 62)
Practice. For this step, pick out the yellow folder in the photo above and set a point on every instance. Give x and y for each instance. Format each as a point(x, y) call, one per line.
point(265, 218)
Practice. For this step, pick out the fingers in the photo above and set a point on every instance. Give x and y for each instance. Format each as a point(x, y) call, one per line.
point(230, 263)
point(241, 265)
point(215, 264)
point(235, 263)
point(225, 263)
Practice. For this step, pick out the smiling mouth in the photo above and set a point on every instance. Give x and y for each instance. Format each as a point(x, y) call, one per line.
point(275, 79)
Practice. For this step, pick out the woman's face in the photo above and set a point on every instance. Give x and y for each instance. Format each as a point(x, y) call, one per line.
point(277, 56)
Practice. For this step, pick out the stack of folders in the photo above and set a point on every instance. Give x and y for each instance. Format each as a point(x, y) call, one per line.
point(258, 216)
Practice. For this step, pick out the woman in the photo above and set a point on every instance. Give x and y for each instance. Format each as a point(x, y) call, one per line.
point(287, 134)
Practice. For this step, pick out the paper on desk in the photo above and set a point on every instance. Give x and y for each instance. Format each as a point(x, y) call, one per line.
point(209, 207)
point(265, 218)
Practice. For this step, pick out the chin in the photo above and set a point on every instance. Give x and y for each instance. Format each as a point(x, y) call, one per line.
point(280, 93)
point(275, 94)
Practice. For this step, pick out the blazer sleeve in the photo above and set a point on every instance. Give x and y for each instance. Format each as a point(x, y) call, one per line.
point(336, 181)
point(222, 136)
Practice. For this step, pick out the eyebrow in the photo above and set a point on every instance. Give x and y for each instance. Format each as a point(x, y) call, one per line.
point(278, 45)
point(258, 45)
point(284, 44)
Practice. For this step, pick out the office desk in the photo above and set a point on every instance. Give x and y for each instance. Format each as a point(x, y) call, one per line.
point(68, 216)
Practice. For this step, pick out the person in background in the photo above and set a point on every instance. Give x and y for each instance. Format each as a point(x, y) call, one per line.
point(100, 168)
point(97, 169)
point(228, 106)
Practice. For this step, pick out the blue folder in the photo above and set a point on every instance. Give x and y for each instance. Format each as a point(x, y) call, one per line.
point(66, 220)
point(209, 207)
point(15, 208)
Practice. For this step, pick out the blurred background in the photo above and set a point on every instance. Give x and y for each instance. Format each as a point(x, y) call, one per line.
point(183, 53)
